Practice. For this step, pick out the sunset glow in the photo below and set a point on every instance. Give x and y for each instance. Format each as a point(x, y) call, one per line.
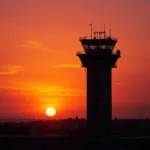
point(38, 64)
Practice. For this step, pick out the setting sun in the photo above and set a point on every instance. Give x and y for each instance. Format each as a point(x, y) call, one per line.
point(50, 111)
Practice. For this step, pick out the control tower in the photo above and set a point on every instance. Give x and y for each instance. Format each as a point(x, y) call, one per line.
point(99, 59)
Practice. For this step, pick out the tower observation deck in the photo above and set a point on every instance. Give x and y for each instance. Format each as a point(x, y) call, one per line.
point(99, 59)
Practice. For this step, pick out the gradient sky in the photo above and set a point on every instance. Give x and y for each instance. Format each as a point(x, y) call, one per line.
point(38, 63)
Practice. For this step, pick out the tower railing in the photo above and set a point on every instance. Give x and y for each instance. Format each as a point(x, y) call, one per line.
point(93, 37)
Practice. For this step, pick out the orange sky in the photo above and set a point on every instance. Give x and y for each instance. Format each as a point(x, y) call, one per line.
point(38, 63)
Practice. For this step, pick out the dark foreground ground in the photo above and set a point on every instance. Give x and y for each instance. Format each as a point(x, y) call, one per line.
point(62, 143)
point(69, 135)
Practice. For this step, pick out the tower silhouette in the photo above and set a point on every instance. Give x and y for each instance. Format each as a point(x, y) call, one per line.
point(99, 59)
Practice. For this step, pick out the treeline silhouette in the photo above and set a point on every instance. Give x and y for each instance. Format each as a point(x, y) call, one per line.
point(73, 127)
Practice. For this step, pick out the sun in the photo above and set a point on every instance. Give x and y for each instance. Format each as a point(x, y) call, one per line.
point(50, 112)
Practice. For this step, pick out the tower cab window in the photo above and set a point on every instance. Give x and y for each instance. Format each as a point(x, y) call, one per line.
point(85, 47)
point(102, 46)
point(93, 47)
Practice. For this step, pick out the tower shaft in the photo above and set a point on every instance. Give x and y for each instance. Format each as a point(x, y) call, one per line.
point(99, 105)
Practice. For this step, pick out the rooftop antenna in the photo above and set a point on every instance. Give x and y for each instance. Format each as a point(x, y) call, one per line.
point(104, 31)
point(110, 31)
point(91, 30)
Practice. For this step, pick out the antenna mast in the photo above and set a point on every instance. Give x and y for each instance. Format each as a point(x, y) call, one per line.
point(104, 31)
point(110, 31)
point(91, 30)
